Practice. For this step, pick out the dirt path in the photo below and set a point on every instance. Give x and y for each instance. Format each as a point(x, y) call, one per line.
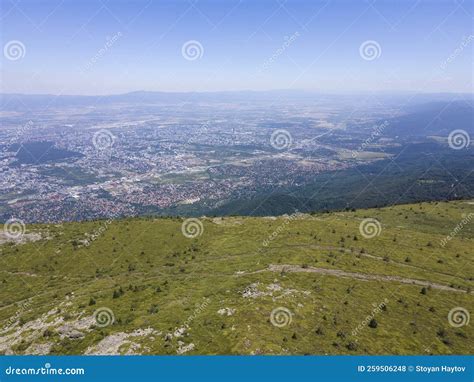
point(369, 256)
point(358, 276)
point(20, 273)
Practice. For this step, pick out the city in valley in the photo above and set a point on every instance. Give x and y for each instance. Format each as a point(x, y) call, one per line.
point(125, 158)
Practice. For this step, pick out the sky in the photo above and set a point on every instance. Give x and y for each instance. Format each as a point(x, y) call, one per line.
point(117, 46)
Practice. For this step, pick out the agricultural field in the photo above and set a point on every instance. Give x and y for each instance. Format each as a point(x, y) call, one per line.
point(393, 280)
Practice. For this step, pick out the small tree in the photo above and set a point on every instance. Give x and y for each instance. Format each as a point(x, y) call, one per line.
point(352, 346)
point(373, 323)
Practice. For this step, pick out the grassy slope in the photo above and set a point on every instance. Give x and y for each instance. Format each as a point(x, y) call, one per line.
point(141, 256)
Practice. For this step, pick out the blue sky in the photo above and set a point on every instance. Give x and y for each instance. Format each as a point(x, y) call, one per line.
point(105, 47)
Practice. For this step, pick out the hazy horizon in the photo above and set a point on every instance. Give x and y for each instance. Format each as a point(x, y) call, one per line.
point(302, 91)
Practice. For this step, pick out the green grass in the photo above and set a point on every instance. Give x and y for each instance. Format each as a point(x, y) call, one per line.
point(168, 280)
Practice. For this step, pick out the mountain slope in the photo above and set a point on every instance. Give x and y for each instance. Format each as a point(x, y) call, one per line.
point(299, 284)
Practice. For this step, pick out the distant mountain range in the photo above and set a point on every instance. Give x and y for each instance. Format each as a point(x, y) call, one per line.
point(32, 101)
